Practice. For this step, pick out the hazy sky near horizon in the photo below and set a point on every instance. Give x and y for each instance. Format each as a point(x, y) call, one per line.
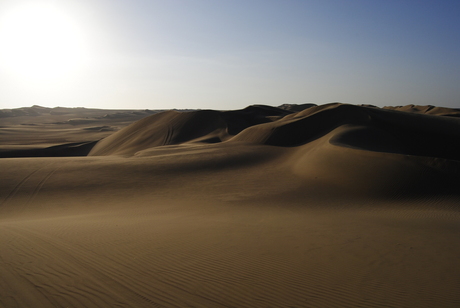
point(149, 54)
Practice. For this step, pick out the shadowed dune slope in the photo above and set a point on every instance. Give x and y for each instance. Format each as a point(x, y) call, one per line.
point(173, 127)
point(365, 128)
point(434, 110)
point(63, 150)
point(357, 150)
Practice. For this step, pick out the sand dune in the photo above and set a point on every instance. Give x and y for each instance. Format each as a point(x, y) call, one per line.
point(358, 127)
point(172, 127)
point(334, 142)
point(46, 132)
point(298, 206)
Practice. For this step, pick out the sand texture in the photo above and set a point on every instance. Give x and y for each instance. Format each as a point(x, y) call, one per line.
point(298, 206)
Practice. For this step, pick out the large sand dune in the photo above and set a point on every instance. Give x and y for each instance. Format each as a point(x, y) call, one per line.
point(299, 206)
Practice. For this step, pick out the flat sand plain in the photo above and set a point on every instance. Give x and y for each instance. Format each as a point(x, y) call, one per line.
point(301, 206)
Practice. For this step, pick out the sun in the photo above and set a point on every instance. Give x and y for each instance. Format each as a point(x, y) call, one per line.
point(40, 42)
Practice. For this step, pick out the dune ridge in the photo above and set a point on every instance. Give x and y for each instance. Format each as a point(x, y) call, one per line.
point(298, 206)
point(412, 147)
point(367, 128)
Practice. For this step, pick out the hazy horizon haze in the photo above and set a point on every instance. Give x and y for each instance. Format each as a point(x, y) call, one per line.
point(227, 55)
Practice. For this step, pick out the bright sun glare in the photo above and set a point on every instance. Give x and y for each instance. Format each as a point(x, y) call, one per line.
point(40, 42)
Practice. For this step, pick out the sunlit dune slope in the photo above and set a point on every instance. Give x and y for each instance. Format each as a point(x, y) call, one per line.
point(360, 127)
point(173, 127)
point(364, 128)
point(364, 151)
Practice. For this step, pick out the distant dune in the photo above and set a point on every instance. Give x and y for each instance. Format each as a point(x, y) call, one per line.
point(335, 205)
point(55, 132)
point(355, 139)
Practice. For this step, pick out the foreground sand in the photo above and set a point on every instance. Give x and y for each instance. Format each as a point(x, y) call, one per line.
point(162, 215)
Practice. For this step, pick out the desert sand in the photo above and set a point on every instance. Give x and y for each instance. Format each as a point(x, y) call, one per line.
point(294, 206)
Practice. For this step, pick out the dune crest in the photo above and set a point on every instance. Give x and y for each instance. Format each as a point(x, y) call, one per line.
point(358, 149)
point(367, 128)
point(173, 127)
point(298, 206)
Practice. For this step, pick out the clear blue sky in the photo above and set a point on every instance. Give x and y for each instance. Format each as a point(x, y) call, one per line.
point(230, 54)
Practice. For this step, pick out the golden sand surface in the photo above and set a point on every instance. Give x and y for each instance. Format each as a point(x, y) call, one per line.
point(321, 206)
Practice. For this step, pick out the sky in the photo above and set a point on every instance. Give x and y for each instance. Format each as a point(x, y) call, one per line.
point(216, 54)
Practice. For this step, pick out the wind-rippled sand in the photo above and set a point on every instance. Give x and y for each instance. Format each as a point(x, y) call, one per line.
point(320, 206)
